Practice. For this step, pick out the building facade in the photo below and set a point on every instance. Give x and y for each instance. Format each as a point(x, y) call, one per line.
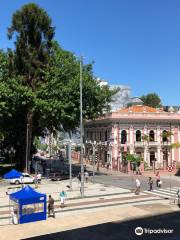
point(139, 130)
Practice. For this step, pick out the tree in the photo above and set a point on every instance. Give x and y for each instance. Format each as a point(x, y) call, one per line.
point(135, 159)
point(33, 31)
point(151, 100)
point(40, 84)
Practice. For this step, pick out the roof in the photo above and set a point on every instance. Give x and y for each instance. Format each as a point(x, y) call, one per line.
point(26, 193)
point(140, 109)
point(12, 174)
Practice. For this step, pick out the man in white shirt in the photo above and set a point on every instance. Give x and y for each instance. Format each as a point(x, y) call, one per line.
point(138, 185)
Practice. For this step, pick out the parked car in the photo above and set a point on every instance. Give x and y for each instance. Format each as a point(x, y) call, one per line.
point(25, 178)
point(57, 176)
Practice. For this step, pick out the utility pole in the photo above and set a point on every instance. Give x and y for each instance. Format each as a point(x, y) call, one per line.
point(94, 152)
point(27, 145)
point(81, 131)
point(70, 161)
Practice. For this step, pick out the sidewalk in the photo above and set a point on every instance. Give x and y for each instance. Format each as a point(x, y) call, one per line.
point(96, 196)
point(164, 175)
point(79, 220)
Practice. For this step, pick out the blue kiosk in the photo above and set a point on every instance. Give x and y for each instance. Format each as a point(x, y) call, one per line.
point(12, 174)
point(28, 205)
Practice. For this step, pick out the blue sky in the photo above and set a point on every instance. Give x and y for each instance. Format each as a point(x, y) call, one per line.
point(133, 42)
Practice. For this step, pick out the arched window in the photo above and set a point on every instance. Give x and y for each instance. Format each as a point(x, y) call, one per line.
point(151, 136)
point(164, 136)
point(138, 136)
point(123, 137)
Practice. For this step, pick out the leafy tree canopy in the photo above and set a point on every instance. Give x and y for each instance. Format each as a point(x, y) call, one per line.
point(151, 100)
point(39, 83)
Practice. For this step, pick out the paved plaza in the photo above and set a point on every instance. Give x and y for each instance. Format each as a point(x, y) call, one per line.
point(102, 205)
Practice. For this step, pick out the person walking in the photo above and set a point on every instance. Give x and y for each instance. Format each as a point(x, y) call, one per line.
point(158, 179)
point(51, 206)
point(138, 186)
point(62, 195)
point(79, 176)
point(36, 181)
point(178, 197)
point(86, 175)
point(150, 182)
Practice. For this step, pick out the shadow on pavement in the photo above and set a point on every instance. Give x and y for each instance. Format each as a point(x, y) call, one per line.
point(123, 230)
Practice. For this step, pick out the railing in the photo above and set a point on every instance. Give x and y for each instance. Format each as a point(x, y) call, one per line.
point(139, 143)
point(153, 143)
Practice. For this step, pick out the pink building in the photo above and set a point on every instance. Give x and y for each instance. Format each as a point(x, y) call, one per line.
point(139, 130)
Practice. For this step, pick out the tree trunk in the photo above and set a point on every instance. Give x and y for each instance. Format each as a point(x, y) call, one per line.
point(29, 138)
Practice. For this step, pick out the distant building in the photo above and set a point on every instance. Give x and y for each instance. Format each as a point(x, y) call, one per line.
point(171, 108)
point(121, 98)
point(127, 130)
point(134, 101)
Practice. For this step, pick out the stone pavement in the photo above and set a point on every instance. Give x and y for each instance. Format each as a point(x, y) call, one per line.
point(96, 196)
point(75, 220)
point(164, 174)
point(101, 204)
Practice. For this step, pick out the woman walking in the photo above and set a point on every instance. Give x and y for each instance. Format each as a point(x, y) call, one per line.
point(62, 195)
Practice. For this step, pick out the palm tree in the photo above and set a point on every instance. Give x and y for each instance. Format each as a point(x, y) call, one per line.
point(166, 135)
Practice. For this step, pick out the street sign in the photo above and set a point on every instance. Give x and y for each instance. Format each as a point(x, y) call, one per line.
point(170, 168)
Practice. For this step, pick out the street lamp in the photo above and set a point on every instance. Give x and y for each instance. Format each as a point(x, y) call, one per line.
point(70, 163)
point(81, 129)
point(27, 145)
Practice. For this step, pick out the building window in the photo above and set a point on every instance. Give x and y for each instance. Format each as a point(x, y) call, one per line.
point(138, 136)
point(151, 136)
point(164, 136)
point(123, 137)
point(100, 135)
point(152, 158)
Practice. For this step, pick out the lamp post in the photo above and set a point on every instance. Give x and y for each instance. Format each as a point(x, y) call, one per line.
point(70, 163)
point(81, 130)
point(27, 145)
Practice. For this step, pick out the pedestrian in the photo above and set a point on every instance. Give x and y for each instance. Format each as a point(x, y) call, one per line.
point(36, 181)
point(39, 175)
point(107, 166)
point(86, 175)
point(51, 206)
point(150, 182)
point(178, 197)
point(79, 177)
point(158, 179)
point(85, 168)
point(138, 185)
point(62, 195)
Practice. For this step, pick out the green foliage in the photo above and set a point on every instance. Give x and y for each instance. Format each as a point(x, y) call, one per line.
point(146, 138)
point(151, 100)
point(132, 158)
point(175, 145)
point(39, 83)
point(38, 145)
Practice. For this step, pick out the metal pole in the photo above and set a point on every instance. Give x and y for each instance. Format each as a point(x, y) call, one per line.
point(70, 163)
point(27, 145)
point(81, 131)
point(11, 159)
point(93, 162)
